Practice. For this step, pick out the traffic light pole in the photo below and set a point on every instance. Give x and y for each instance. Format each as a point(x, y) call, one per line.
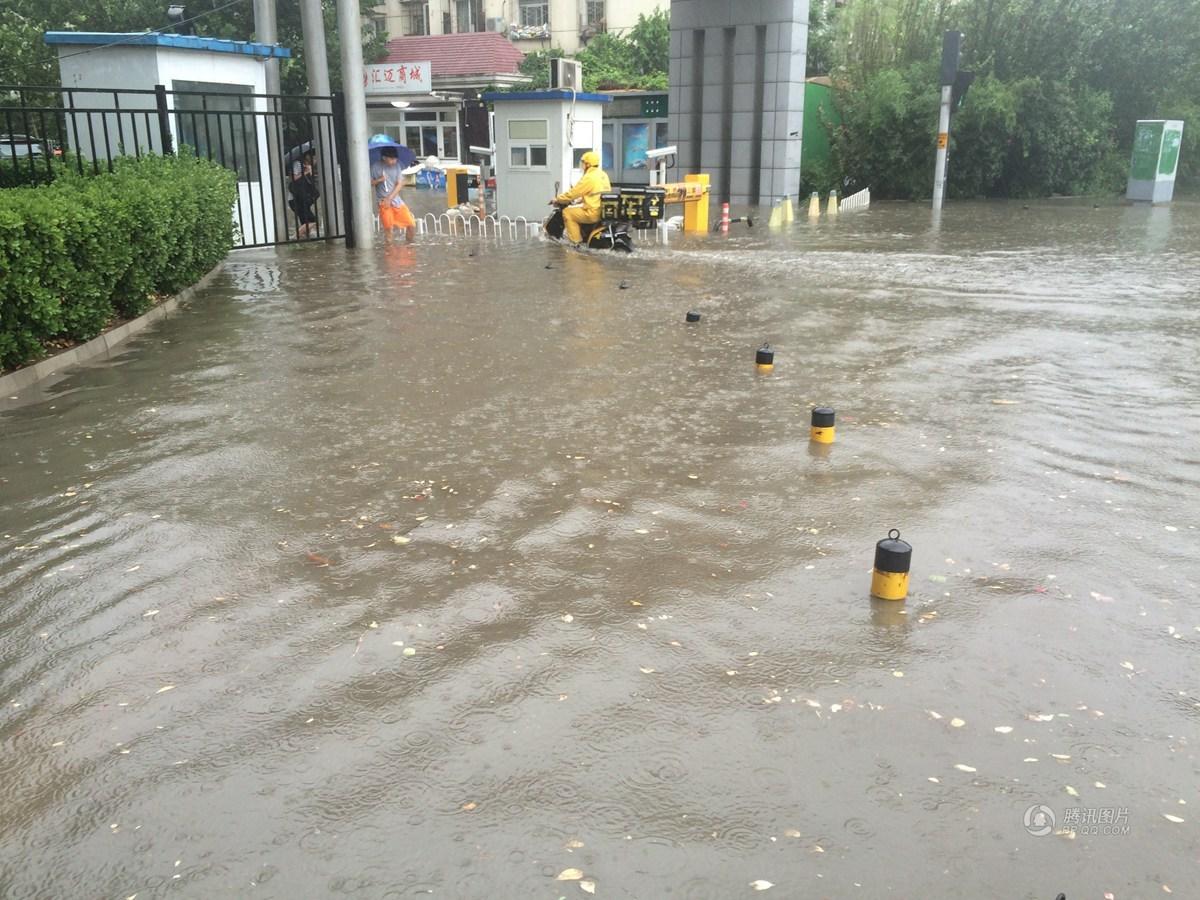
point(951, 49)
point(943, 140)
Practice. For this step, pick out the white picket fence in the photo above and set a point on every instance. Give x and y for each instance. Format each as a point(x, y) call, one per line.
point(502, 228)
point(861, 200)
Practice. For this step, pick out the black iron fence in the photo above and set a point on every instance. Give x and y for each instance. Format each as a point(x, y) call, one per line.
point(284, 149)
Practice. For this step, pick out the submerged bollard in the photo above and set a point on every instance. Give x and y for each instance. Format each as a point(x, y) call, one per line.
point(823, 429)
point(893, 557)
point(776, 219)
point(832, 208)
point(765, 358)
point(814, 205)
point(789, 214)
point(725, 218)
point(692, 316)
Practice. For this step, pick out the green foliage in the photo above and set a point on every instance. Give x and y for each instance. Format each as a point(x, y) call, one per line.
point(612, 61)
point(886, 139)
point(77, 252)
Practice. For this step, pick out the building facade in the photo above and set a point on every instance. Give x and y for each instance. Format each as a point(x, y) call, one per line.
point(531, 24)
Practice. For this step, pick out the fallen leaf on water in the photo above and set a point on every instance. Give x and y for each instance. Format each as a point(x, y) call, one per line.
point(645, 670)
point(1063, 756)
point(1127, 665)
point(836, 707)
point(1170, 528)
point(1003, 729)
point(165, 688)
point(397, 643)
point(817, 848)
point(635, 603)
point(133, 568)
point(400, 539)
point(150, 612)
point(574, 844)
point(470, 806)
point(568, 618)
point(963, 768)
point(1040, 718)
point(761, 885)
point(588, 887)
point(1100, 784)
point(569, 875)
point(1171, 818)
point(897, 674)
point(1030, 759)
point(933, 714)
point(1101, 597)
point(934, 780)
point(1006, 402)
point(792, 833)
point(813, 703)
point(410, 651)
point(641, 531)
point(1070, 790)
point(957, 722)
point(317, 559)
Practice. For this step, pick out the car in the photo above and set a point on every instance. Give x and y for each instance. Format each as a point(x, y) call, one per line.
point(20, 146)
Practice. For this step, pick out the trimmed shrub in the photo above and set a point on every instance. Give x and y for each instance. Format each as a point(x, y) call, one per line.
point(82, 250)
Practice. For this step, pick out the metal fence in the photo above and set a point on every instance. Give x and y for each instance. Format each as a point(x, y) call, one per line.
point(265, 138)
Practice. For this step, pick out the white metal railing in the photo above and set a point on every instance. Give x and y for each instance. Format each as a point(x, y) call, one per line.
point(861, 200)
point(495, 227)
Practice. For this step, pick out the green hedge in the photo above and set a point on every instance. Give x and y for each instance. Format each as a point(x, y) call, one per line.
point(76, 253)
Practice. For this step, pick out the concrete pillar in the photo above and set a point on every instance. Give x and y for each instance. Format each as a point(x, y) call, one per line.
point(350, 30)
point(737, 94)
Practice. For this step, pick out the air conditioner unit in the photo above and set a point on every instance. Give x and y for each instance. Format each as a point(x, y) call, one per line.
point(566, 74)
point(496, 23)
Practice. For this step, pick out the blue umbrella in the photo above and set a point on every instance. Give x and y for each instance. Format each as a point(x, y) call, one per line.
point(379, 142)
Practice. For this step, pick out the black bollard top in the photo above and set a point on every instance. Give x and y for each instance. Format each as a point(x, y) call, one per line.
point(822, 417)
point(692, 316)
point(765, 356)
point(893, 554)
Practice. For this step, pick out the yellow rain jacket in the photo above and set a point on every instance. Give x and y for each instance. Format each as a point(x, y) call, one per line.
point(588, 188)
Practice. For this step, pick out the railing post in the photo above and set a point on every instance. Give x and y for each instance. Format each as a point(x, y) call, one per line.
point(164, 121)
point(343, 162)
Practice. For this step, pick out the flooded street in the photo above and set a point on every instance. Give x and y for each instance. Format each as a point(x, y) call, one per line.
point(449, 569)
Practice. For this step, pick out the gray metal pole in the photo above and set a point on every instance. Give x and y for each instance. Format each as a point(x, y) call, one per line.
point(350, 33)
point(266, 32)
point(316, 65)
point(943, 141)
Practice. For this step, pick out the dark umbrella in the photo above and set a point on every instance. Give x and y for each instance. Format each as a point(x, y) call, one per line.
point(298, 152)
point(379, 142)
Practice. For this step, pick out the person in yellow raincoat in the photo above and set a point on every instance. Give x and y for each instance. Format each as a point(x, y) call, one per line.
point(588, 189)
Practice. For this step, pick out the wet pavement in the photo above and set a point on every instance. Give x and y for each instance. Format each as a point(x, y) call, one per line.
point(463, 570)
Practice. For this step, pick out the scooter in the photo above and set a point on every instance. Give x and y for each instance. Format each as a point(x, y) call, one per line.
point(607, 234)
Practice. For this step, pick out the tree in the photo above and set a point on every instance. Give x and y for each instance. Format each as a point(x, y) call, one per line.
point(612, 61)
point(26, 59)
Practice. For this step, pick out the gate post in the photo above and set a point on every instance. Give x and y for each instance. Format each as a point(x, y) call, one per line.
point(343, 161)
point(164, 122)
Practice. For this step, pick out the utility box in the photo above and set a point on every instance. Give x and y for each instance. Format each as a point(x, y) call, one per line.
point(1155, 160)
point(540, 137)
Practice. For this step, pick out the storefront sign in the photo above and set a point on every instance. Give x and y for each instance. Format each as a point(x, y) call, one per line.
point(398, 78)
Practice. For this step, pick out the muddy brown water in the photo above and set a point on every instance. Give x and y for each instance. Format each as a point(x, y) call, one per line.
point(635, 596)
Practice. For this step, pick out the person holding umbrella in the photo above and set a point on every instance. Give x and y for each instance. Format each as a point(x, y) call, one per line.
point(386, 176)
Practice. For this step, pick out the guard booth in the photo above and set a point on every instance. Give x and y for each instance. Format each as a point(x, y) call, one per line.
point(1155, 160)
point(213, 104)
point(540, 137)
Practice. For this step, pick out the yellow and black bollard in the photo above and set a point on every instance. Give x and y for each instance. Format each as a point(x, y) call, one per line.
point(893, 557)
point(764, 359)
point(692, 316)
point(822, 425)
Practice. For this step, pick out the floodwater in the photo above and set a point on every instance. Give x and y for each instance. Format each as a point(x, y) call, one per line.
point(470, 570)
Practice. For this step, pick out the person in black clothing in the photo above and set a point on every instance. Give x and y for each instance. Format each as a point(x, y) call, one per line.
point(304, 191)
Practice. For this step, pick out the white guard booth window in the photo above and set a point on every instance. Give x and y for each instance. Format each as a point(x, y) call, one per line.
point(540, 136)
point(426, 130)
